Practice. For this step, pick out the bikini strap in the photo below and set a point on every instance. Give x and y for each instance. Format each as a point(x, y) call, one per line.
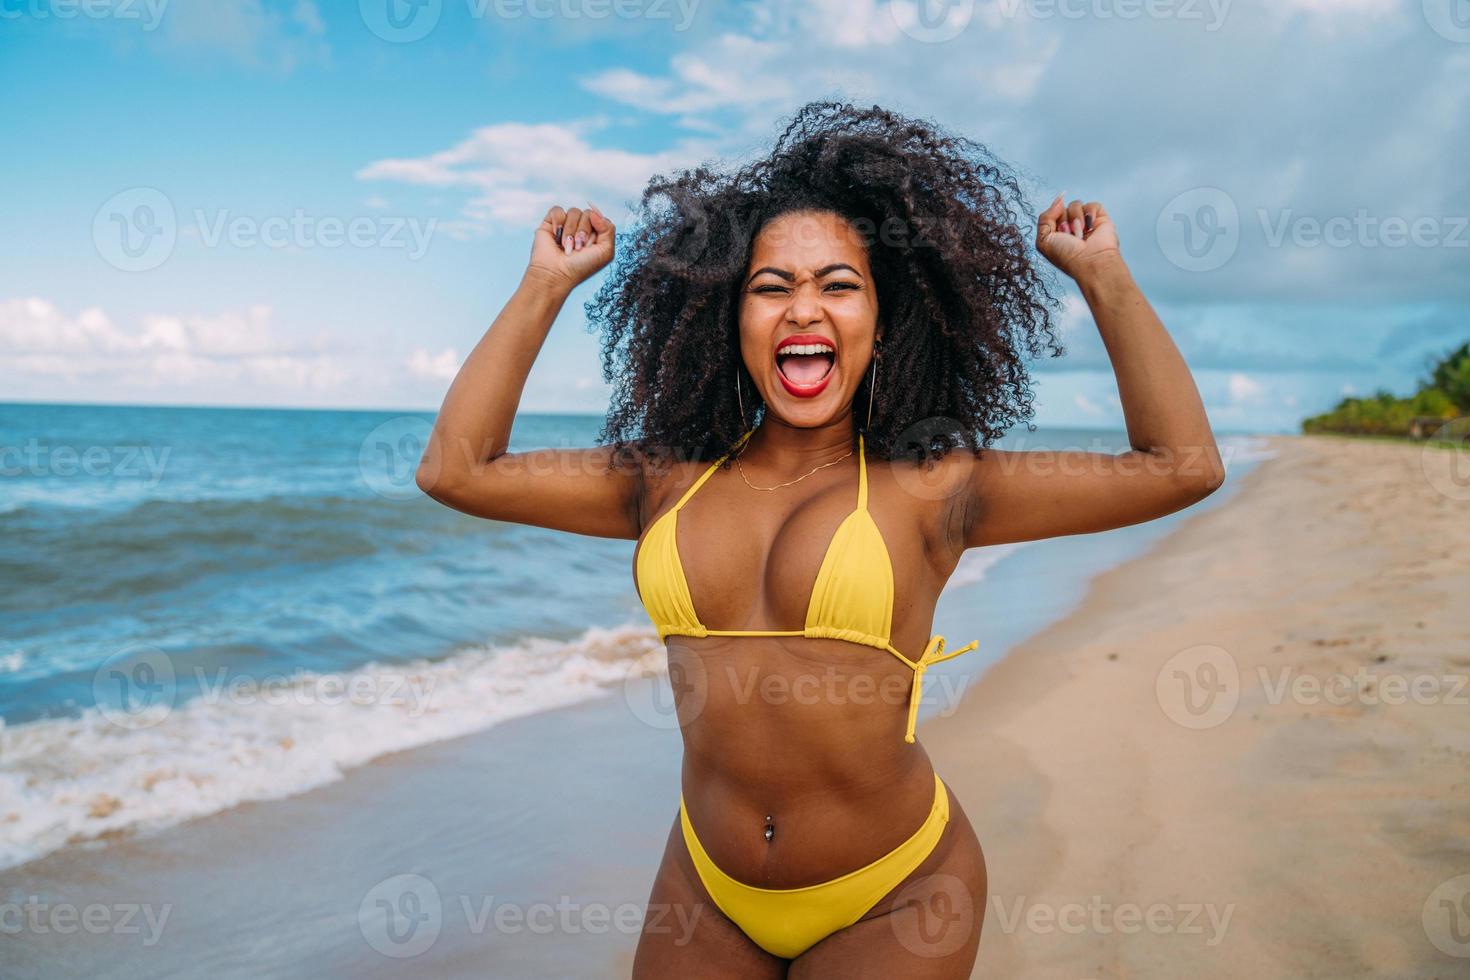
point(710, 470)
point(862, 475)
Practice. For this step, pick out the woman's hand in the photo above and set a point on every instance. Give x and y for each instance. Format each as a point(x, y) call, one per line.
point(1077, 237)
point(570, 246)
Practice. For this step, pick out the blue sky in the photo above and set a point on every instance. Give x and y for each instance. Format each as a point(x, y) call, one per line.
point(312, 203)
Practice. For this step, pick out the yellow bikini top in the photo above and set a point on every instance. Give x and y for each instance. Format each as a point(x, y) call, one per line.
point(852, 599)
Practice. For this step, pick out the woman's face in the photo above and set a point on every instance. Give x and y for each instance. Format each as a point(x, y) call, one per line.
point(808, 316)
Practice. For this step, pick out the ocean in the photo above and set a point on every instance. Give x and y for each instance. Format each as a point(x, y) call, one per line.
point(206, 607)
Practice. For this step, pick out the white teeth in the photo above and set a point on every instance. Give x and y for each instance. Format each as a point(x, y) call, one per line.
point(807, 349)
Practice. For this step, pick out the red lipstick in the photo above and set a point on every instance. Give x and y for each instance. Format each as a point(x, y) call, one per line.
point(806, 389)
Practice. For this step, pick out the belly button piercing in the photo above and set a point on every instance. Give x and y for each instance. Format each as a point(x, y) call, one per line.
point(770, 830)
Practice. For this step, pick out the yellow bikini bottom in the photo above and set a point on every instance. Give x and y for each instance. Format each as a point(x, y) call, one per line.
point(786, 922)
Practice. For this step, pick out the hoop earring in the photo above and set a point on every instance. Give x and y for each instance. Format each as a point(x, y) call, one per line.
point(873, 383)
point(738, 399)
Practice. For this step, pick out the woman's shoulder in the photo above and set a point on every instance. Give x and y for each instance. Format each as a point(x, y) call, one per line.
point(932, 478)
point(664, 473)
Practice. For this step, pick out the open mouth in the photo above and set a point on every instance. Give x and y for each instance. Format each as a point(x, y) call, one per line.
point(805, 364)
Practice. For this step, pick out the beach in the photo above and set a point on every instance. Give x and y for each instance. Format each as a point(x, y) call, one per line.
point(1154, 796)
point(1246, 754)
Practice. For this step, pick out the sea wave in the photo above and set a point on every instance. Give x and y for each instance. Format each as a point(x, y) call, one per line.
point(224, 515)
point(98, 776)
point(976, 563)
point(156, 544)
point(1244, 449)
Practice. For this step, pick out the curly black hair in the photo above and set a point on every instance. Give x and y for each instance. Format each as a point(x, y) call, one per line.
point(960, 295)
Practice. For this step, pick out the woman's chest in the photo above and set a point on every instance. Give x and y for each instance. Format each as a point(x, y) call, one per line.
point(768, 564)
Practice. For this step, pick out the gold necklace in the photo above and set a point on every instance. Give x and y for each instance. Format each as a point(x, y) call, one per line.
point(788, 482)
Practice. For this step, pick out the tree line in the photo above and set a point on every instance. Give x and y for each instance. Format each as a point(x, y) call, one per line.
point(1442, 396)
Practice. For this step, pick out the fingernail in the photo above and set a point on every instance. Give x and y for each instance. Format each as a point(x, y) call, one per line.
point(566, 244)
point(581, 238)
point(1064, 229)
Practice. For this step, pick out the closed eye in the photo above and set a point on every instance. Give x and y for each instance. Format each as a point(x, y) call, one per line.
point(774, 288)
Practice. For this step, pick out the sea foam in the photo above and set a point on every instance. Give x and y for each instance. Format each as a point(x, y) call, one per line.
point(88, 778)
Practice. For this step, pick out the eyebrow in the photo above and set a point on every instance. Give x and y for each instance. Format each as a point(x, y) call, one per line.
point(825, 270)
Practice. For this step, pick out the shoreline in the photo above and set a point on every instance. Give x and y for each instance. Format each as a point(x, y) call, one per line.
point(1272, 831)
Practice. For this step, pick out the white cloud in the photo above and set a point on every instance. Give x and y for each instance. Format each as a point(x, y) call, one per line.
point(279, 35)
point(518, 170)
point(1079, 337)
point(852, 24)
point(1015, 79)
point(700, 82)
point(1086, 405)
point(787, 52)
point(164, 350)
point(1074, 319)
point(442, 366)
point(1243, 388)
point(306, 15)
point(1340, 8)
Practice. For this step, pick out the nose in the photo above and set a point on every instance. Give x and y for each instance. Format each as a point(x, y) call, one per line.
point(805, 306)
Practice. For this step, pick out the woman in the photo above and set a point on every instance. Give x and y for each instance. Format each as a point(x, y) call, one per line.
point(815, 352)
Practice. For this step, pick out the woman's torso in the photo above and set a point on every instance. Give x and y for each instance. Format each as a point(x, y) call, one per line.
point(808, 731)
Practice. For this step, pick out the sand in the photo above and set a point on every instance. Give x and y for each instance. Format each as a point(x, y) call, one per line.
point(1247, 753)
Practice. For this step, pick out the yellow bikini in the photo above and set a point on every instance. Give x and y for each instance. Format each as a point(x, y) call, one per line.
point(786, 922)
point(852, 600)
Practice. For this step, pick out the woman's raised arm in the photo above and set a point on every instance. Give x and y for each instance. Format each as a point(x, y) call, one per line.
point(466, 466)
point(1020, 496)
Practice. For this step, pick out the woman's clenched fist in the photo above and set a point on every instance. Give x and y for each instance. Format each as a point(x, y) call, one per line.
point(571, 245)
